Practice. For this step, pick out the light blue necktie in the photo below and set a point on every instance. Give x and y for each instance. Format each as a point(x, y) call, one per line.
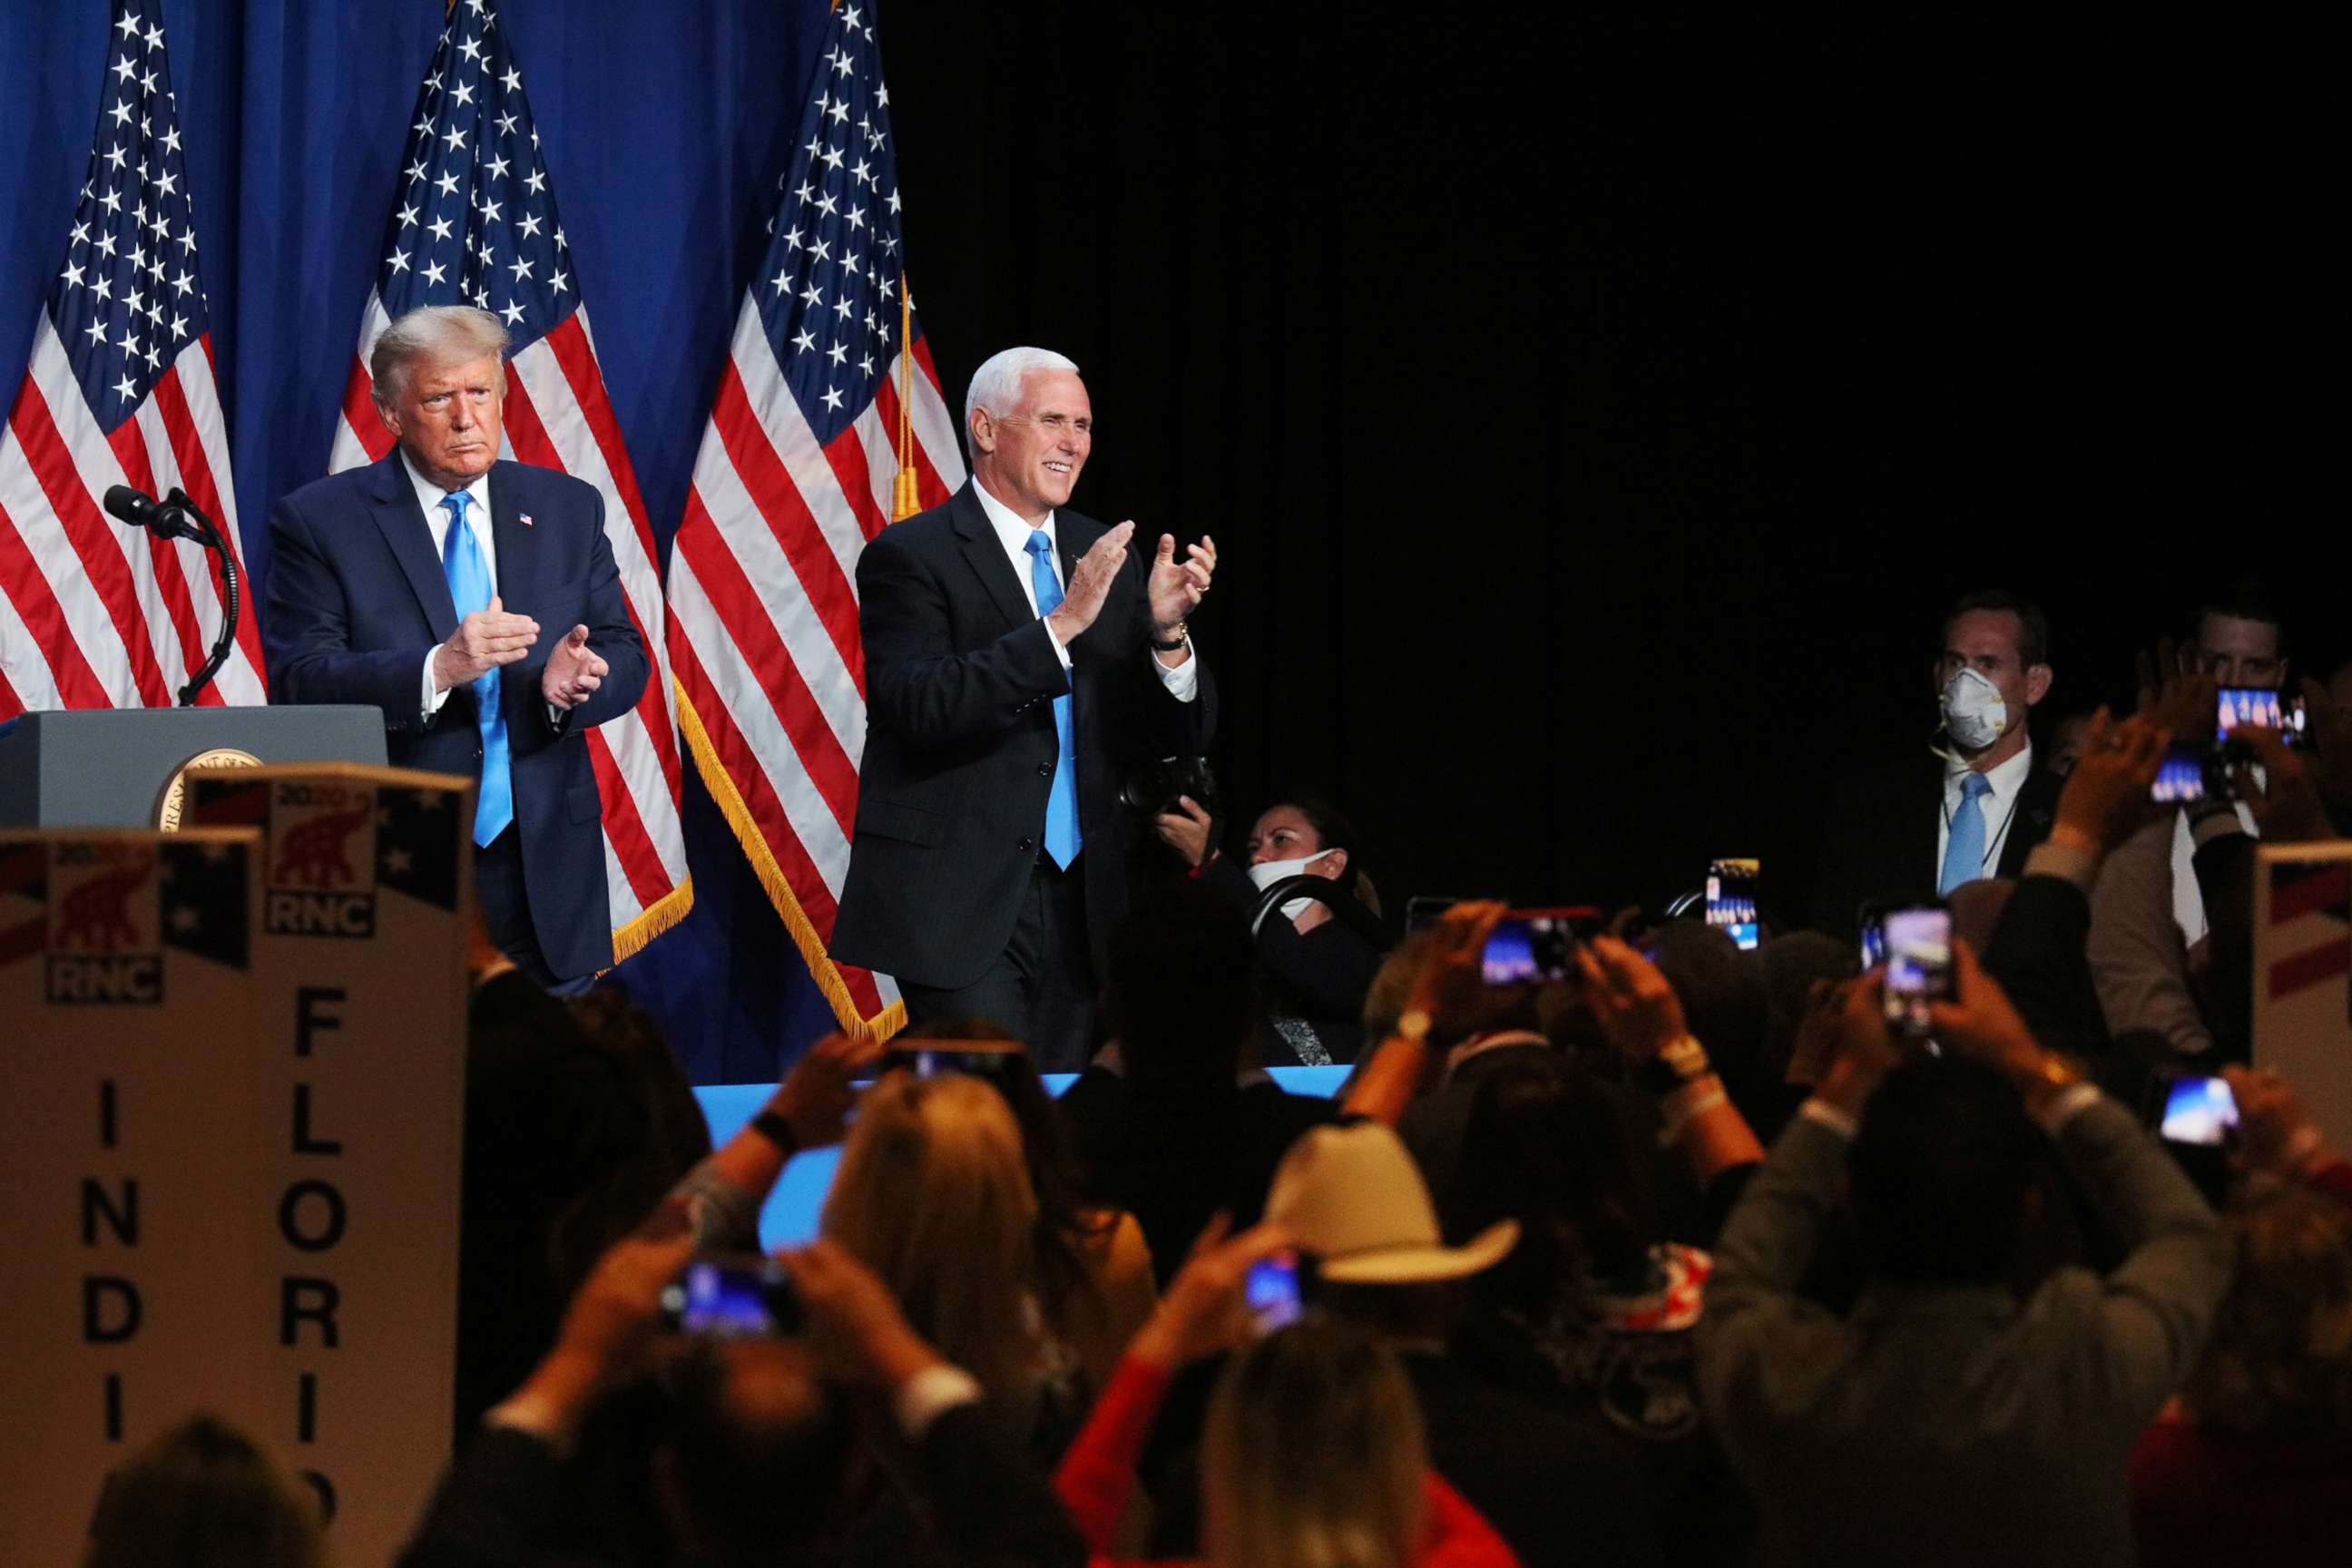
point(1063, 839)
point(469, 589)
point(1964, 850)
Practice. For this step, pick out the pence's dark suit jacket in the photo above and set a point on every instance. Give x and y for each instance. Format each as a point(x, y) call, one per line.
point(959, 745)
point(357, 597)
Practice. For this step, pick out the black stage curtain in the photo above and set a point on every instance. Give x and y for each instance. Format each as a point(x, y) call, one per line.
point(1594, 407)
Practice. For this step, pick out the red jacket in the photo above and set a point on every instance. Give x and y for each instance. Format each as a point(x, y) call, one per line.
point(1097, 1475)
point(2202, 1495)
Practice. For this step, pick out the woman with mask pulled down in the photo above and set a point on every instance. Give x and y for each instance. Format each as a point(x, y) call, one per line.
point(1317, 966)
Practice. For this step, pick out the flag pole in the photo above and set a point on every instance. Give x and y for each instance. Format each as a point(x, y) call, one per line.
point(905, 500)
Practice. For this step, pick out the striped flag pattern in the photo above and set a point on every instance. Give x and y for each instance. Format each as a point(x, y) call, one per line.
point(476, 224)
point(119, 391)
point(794, 474)
point(2307, 936)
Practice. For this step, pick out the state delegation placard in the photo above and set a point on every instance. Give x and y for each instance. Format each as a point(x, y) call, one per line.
point(129, 1258)
point(357, 1082)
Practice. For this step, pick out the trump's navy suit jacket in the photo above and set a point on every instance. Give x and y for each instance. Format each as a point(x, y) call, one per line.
point(357, 597)
point(959, 744)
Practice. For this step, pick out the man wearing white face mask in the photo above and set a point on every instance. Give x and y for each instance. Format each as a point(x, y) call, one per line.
point(1990, 805)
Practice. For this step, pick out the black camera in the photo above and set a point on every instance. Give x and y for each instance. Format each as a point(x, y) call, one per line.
point(1153, 790)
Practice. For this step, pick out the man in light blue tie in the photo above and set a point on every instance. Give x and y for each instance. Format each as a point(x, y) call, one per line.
point(1021, 660)
point(475, 603)
point(1990, 805)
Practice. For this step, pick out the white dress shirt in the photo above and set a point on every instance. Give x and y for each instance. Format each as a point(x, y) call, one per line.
point(1013, 531)
point(2188, 899)
point(2000, 808)
point(434, 501)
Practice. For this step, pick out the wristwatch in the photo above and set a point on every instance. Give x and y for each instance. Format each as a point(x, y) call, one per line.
point(1414, 1024)
point(1171, 646)
point(2057, 1073)
point(768, 1124)
point(1679, 1061)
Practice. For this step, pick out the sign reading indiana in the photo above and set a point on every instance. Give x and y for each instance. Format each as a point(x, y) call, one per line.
point(102, 910)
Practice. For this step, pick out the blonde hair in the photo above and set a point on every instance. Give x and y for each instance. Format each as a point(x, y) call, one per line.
point(2279, 1355)
point(1313, 1455)
point(933, 1194)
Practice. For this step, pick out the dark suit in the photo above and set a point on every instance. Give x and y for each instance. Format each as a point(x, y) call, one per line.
point(960, 676)
point(1877, 838)
point(357, 597)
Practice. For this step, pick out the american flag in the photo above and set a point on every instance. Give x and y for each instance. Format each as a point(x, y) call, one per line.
point(2308, 937)
point(119, 391)
point(475, 224)
point(795, 474)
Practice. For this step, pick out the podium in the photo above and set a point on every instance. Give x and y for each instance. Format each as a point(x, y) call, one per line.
point(119, 767)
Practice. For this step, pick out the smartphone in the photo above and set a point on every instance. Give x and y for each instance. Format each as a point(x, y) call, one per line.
point(2181, 777)
point(1278, 1289)
point(732, 1297)
point(1918, 964)
point(1731, 898)
point(2197, 1110)
point(2261, 708)
point(1873, 936)
point(1534, 946)
point(929, 1059)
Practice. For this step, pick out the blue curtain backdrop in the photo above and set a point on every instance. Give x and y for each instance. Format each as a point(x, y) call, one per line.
point(664, 128)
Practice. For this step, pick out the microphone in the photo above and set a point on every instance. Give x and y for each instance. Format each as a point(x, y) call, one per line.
point(136, 508)
point(164, 519)
point(141, 510)
point(177, 516)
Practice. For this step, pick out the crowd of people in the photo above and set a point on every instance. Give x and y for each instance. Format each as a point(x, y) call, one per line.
point(1690, 1256)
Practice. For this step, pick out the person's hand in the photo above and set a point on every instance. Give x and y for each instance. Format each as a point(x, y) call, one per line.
point(1634, 1005)
point(613, 1315)
point(2276, 1133)
point(1089, 584)
point(1451, 984)
point(1627, 923)
point(2328, 726)
point(1979, 1023)
point(2105, 798)
point(2175, 693)
point(1205, 1309)
point(573, 672)
point(816, 1095)
point(1857, 1048)
point(853, 1323)
point(1814, 1047)
point(2285, 799)
point(1186, 830)
point(482, 642)
point(607, 1330)
point(1175, 587)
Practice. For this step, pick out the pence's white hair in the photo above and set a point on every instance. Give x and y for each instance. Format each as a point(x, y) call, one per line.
point(434, 334)
point(996, 384)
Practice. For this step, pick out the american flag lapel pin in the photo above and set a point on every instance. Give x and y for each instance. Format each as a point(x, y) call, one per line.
point(526, 520)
